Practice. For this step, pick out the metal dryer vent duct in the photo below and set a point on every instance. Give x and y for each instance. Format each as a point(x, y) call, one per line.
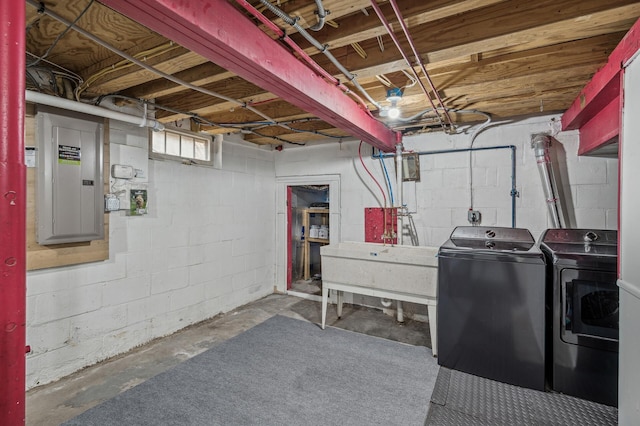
point(541, 145)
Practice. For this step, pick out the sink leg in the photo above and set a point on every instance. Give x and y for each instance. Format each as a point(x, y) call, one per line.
point(325, 296)
point(433, 329)
point(340, 294)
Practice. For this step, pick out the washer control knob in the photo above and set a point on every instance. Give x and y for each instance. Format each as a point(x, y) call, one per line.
point(590, 237)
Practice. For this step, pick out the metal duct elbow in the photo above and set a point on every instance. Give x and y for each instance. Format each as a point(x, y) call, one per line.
point(541, 145)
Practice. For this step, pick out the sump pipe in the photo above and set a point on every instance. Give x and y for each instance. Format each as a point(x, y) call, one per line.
point(541, 145)
point(514, 191)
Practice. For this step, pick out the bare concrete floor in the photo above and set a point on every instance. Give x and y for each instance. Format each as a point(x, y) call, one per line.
point(60, 401)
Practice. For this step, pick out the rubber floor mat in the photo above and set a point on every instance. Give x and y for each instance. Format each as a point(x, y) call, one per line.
point(464, 399)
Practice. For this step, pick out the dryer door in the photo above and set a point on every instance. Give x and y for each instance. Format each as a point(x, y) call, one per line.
point(590, 308)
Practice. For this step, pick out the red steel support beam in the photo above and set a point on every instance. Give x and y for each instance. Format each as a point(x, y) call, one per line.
point(605, 84)
point(221, 33)
point(12, 214)
point(603, 92)
point(602, 129)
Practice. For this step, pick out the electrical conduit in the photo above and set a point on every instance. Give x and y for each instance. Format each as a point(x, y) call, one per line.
point(322, 48)
point(141, 64)
point(393, 36)
point(396, 10)
point(313, 64)
point(513, 193)
point(322, 14)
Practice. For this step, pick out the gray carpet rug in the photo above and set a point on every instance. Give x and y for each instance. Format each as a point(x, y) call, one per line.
point(283, 372)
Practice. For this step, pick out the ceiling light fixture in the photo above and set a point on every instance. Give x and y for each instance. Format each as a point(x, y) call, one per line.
point(394, 96)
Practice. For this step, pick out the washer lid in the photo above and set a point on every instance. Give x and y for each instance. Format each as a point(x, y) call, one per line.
point(602, 242)
point(496, 238)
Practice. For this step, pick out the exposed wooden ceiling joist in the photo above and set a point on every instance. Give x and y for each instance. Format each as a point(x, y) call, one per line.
point(220, 36)
point(506, 57)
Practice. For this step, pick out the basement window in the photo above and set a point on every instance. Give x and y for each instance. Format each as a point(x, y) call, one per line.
point(180, 145)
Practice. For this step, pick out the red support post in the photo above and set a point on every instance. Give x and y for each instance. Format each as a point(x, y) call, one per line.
point(221, 33)
point(12, 214)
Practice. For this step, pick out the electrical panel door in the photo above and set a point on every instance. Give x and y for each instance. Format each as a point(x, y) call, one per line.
point(70, 182)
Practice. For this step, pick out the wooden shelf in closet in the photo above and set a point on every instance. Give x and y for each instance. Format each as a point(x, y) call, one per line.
point(306, 246)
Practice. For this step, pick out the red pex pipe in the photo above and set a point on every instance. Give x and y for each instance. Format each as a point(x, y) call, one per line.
point(12, 214)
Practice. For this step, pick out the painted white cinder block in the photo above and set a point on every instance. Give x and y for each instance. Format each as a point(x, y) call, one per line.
point(611, 219)
point(166, 270)
point(444, 180)
point(149, 308)
point(48, 336)
point(127, 289)
point(588, 170)
point(67, 303)
point(591, 218)
point(595, 196)
point(168, 280)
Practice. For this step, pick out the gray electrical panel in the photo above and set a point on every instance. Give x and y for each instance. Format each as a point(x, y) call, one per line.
point(70, 189)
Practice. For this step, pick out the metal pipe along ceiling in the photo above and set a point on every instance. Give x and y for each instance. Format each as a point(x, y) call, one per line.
point(387, 25)
point(405, 29)
point(169, 77)
point(513, 192)
point(55, 101)
point(322, 48)
point(220, 32)
point(299, 51)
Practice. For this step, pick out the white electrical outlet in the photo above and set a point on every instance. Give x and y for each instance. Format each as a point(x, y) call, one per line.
point(120, 171)
point(474, 216)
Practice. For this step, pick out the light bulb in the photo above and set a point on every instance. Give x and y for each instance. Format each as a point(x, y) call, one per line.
point(394, 112)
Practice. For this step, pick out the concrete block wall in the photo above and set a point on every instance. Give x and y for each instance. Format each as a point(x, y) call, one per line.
point(440, 201)
point(206, 247)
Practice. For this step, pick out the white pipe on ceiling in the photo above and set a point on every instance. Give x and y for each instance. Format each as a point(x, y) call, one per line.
point(54, 101)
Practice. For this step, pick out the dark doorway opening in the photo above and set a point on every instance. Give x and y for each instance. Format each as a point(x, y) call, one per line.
point(308, 231)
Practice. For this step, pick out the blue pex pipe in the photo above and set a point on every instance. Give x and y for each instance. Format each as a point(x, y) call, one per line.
point(386, 174)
